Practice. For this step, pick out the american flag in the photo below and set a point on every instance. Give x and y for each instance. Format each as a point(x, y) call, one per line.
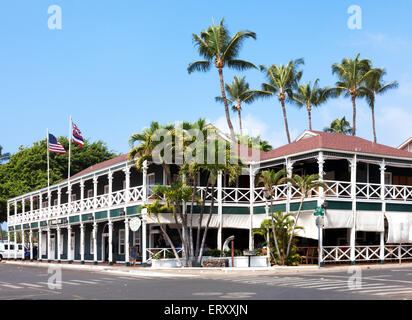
point(54, 145)
point(77, 138)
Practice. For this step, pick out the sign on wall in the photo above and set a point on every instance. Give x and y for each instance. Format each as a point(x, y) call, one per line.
point(135, 224)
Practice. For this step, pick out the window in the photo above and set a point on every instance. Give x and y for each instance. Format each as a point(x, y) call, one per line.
point(121, 241)
point(90, 193)
point(388, 177)
point(106, 188)
point(45, 204)
point(91, 243)
point(6, 247)
point(12, 247)
point(151, 179)
point(20, 247)
point(61, 242)
point(73, 197)
point(55, 202)
point(136, 237)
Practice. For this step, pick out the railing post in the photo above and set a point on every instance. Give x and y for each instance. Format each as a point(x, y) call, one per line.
point(382, 168)
point(58, 243)
point(144, 180)
point(69, 243)
point(95, 181)
point(252, 174)
point(353, 196)
point(82, 243)
point(220, 210)
point(81, 195)
point(144, 237)
point(59, 201)
point(127, 187)
point(110, 179)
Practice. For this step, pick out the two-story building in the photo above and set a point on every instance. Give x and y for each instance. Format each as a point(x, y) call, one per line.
point(368, 216)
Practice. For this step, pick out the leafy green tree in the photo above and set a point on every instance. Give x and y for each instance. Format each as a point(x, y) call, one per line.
point(27, 169)
point(270, 179)
point(310, 96)
point(220, 49)
point(252, 142)
point(282, 81)
point(238, 93)
point(352, 73)
point(341, 126)
point(373, 86)
point(304, 184)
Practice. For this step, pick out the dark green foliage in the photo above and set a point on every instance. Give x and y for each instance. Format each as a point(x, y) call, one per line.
point(27, 169)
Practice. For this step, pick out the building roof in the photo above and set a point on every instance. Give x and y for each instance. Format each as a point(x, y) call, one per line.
point(405, 144)
point(313, 140)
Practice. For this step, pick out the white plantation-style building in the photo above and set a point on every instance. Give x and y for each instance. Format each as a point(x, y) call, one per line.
point(368, 216)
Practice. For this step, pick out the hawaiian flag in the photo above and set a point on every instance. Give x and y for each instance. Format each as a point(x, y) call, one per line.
point(54, 145)
point(77, 137)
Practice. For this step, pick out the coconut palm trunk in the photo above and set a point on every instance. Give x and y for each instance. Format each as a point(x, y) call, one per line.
point(309, 107)
point(294, 226)
point(240, 120)
point(354, 113)
point(282, 101)
point(222, 88)
point(275, 239)
point(199, 259)
point(373, 119)
point(171, 244)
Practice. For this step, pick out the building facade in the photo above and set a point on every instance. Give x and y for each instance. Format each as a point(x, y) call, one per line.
point(368, 197)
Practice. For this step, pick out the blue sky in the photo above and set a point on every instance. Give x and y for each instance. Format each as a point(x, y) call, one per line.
point(117, 65)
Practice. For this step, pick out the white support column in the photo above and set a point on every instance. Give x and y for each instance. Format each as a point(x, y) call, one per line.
point(110, 179)
point(321, 162)
point(40, 245)
point(81, 195)
point(82, 243)
point(49, 203)
point(353, 163)
point(58, 244)
point(31, 244)
point(219, 210)
point(289, 170)
point(48, 245)
point(23, 208)
point(95, 181)
point(382, 169)
point(59, 201)
point(127, 183)
point(144, 180)
point(126, 241)
point(31, 205)
point(69, 199)
point(95, 242)
point(15, 245)
point(267, 234)
point(110, 242)
point(69, 244)
point(144, 237)
point(8, 241)
point(22, 245)
point(252, 175)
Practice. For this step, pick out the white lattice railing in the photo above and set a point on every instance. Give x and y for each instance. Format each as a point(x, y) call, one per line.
point(394, 192)
point(338, 189)
point(368, 191)
point(335, 254)
point(236, 195)
point(118, 197)
point(366, 253)
point(161, 252)
point(136, 194)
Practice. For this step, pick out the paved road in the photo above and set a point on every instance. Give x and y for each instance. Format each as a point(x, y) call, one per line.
point(30, 282)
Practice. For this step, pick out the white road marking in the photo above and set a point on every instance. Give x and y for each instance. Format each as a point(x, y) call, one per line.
point(384, 289)
point(11, 286)
point(395, 292)
point(84, 281)
point(30, 285)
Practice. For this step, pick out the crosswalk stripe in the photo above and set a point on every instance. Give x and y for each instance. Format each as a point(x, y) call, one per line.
point(393, 292)
point(323, 285)
point(30, 285)
point(11, 286)
point(364, 285)
point(84, 281)
point(385, 289)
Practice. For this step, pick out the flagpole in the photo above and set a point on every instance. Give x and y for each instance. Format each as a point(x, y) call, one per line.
point(48, 162)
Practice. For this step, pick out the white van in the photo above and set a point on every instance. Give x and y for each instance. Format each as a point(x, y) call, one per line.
point(7, 251)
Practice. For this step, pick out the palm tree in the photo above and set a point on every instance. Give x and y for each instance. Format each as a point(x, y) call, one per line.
point(309, 95)
point(3, 156)
point(341, 126)
point(218, 48)
point(254, 142)
point(283, 80)
point(372, 86)
point(352, 73)
point(269, 179)
point(238, 93)
point(304, 184)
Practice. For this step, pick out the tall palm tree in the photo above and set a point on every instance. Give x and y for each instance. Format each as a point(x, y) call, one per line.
point(218, 48)
point(3, 156)
point(309, 96)
point(238, 93)
point(269, 179)
point(305, 184)
point(372, 86)
point(352, 73)
point(282, 81)
point(341, 126)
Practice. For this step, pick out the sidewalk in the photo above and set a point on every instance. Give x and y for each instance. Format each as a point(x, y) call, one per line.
point(193, 272)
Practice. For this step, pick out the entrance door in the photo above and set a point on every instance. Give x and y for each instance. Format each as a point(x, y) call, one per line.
point(72, 246)
point(52, 247)
point(105, 247)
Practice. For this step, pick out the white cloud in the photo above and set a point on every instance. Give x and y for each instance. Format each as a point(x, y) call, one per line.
point(393, 125)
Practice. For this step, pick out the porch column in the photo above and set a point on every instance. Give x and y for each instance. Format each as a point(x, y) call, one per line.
point(82, 243)
point(353, 196)
point(8, 239)
point(382, 169)
point(40, 244)
point(110, 179)
point(81, 195)
point(144, 182)
point(126, 241)
point(267, 234)
point(58, 244)
point(252, 175)
point(22, 245)
point(31, 205)
point(31, 244)
point(110, 242)
point(289, 170)
point(94, 243)
point(127, 183)
point(15, 244)
point(144, 237)
point(59, 201)
point(69, 244)
point(321, 162)
point(219, 210)
point(95, 180)
point(48, 245)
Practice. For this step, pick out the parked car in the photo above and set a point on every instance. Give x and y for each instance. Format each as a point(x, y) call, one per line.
point(7, 250)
